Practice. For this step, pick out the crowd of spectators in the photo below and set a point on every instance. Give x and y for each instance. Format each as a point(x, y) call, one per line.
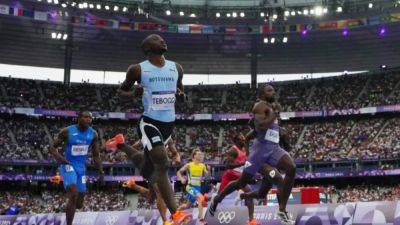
point(327, 140)
point(46, 201)
point(367, 193)
point(333, 140)
point(343, 92)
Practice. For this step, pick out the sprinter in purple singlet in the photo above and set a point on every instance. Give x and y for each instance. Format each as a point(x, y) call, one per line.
point(265, 150)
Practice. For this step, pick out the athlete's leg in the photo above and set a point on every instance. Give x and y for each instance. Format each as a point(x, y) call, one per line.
point(249, 203)
point(162, 209)
point(244, 179)
point(70, 182)
point(72, 195)
point(158, 156)
point(287, 166)
point(133, 154)
point(255, 161)
point(79, 202)
point(270, 176)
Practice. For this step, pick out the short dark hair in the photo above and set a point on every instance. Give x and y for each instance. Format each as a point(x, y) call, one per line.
point(82, 110)
point(145, 46)
point(261, 88)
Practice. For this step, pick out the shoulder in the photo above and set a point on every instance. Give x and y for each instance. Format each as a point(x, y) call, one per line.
point(95, 134)
point(260, 106)
point(179, 68)
point(135, 67)
point(64, 131)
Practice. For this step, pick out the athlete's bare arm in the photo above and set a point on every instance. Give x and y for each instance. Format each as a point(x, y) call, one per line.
point(132, 76)
point(264, 116)
point(59, 141)
point(181, 171)
point(95, 146)
point(206, 171)
point(179, 85)
point(175, 156)
point(249, 136)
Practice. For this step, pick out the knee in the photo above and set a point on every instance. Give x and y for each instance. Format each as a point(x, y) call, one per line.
point(73, 194)
point(277, 177)
point(243, 181)
point(79, 205)
point(291, 169)
point(248, 201)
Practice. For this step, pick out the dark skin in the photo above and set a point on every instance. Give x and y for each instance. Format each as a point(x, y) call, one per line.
point(264, 112)
point(264, 116)
point(75, 199)
point(154, 47)
point(133, 75)
point(231, 155)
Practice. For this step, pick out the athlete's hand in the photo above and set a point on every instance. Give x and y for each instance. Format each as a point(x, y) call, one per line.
point(276, 107)
point(138, 90)
point(176, 159)
point(183, 180)
point(180, 95)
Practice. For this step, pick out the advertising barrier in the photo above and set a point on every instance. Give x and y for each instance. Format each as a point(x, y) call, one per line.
point(360, 213)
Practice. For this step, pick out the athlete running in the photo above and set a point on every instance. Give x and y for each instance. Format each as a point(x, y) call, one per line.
point(196, 171)
point(160, 84)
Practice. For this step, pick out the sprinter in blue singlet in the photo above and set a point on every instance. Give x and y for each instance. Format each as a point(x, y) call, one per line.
point(76, 140)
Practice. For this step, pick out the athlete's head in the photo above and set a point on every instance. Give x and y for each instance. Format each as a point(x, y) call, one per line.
point(84, 118)
point(239, 140)
point(266, 93)
point(197, 154)
point(154, 44)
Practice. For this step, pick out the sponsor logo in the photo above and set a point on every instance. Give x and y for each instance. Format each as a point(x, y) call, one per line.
point(247, 164)
point(226, 217)
point(156, 139)
point(111, 219)
point(272, 173)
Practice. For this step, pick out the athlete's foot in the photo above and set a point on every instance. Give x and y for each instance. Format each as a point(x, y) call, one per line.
point(56, 179)
point(202, 221)
point(213, 207)
point(253, 222)
point(112, 143)
point(284, 218)
point(203, 200)
point(180, 217)
point(129, 183)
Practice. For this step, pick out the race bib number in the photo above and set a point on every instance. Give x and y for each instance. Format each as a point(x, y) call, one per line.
point(78, 150)
point(195, 181)
point(163, 100)
point(69, 168)
point(83, 179)
point(272, 136)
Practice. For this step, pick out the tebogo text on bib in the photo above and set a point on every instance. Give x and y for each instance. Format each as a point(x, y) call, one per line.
point(163, 100)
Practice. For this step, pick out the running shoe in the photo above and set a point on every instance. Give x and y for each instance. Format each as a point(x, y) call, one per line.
point(112, 143)
point(129, 183)
point(56, 179)
point(253, 222)
point(180, 217)
point(284, 218)
point(212, 208)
